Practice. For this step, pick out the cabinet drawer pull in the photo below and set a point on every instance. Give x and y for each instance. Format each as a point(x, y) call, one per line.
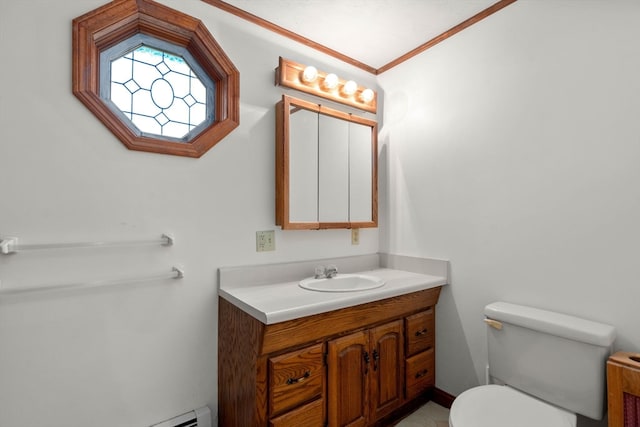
point(297, 380)
point(422, 373)
point(421, 332)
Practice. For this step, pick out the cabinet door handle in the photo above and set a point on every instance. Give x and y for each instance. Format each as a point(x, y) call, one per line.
point(422, 373)
point(421, 332)
point(297, 380)
point(376, 356)
point(366, 362)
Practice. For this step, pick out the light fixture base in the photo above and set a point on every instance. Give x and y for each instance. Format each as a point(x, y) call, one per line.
point(289, 74)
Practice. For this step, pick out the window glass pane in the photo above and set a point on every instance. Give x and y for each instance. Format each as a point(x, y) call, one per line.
point(177, 64)
point(198, 113)
point(148, 123)
point(198, 91)
point(159, 92)
point(175, 130)
point(177, 111)
point(179, 82)
point(144, 74)
point(143, 104)
point(121, 97)
point(121, 70)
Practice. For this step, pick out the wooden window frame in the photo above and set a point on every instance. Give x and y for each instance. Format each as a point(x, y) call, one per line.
point(119, 20)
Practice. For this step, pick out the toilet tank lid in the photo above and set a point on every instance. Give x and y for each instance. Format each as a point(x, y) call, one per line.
point(562, 325)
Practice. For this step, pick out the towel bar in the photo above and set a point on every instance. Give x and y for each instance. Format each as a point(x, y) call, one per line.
point(176, 273)
point(9, 245)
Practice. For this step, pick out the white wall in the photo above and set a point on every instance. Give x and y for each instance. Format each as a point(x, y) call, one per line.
point(514, 151)
point(128, 356)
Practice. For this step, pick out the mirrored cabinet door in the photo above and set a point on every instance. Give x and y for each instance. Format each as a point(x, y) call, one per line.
point(303, 166)
point(333, 170)
point(361, 188)
point(326, 167)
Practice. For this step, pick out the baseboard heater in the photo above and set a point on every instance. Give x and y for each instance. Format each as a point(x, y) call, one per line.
point(200, 417)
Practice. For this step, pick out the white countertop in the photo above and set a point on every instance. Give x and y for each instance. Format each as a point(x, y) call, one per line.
point(279, 302)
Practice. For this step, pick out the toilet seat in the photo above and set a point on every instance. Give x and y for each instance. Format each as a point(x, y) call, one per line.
point(502, 406)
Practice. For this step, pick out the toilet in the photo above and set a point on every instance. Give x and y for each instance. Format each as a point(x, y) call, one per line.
point(544, 368)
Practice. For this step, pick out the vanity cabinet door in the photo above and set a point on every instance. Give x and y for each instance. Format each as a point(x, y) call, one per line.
point(348, 365)
point(296, 378)
point(366, 375)
point(387, 368)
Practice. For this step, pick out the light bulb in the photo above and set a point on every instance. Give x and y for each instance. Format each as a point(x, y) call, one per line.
point(310, 74)
point(367, 95)
point(350, 87)
point(330, 81)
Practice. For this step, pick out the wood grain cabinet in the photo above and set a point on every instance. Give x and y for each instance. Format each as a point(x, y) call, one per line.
point(365, 365)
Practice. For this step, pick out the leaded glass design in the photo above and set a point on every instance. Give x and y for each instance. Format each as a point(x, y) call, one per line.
point(158, 92)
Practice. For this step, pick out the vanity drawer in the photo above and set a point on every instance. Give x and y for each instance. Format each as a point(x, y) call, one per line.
point(419, 331)
point(420, 373)
point(296, 378)
point(309, 415)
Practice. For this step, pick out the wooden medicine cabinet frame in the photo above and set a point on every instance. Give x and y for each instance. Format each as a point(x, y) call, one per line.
point(285, 181)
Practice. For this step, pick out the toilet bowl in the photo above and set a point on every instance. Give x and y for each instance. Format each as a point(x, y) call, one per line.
point(544, 368)
point(502, 406)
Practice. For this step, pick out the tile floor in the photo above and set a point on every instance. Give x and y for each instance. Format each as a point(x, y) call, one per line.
point(428, 415)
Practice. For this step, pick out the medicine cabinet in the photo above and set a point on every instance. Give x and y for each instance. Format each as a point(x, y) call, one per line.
point(326, 167)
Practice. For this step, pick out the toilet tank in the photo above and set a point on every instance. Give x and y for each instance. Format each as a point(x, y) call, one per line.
point(558, 358)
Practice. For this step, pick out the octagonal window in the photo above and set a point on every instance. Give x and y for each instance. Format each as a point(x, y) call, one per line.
point(157, 88)
point(155, 77)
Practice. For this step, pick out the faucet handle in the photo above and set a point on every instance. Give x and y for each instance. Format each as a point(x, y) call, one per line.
point(320, 272)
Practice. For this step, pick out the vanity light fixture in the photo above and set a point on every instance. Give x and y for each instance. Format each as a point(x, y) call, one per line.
point(307, 78)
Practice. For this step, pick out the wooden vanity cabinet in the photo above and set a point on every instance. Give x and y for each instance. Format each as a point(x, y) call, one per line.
point(358, 366)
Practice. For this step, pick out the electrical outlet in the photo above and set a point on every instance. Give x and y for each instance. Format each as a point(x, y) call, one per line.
point(265, 241)
point(355, 236)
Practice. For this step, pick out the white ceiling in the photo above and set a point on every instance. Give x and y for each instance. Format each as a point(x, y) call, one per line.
point(374, 32)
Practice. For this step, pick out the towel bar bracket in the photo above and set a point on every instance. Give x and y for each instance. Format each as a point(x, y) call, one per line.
point(7, 244)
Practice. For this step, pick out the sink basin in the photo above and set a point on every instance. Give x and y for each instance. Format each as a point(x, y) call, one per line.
point(342, 283)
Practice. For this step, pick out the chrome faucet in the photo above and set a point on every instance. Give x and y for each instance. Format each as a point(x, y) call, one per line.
point(331, 271)
point(327, 272)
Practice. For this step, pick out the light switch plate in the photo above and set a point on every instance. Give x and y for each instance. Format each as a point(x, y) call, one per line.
point(265, 241)
point(355, 236)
